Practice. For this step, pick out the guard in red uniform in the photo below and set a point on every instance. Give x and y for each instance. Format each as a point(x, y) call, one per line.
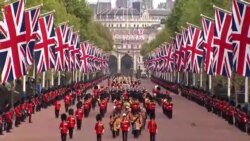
point(8, 119)
point(79, 115)
point(64, 127)
point(18, 114)
point(30, 110)
point(99, 127)
point(57, 108)
point(66, 102)
point(125, 127)
point(152, 106)
point(152, 128)
point(71, 123)
point(102, 106)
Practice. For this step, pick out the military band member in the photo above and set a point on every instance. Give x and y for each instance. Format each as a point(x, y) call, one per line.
point(57, 108)
point(1, 123)
point(152, 127)
point(99, 127)
point(71, 123)
point(79, 115)
point(125, 127)
point(64, 127)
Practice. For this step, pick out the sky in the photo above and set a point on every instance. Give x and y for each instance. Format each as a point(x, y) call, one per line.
point(156, 2)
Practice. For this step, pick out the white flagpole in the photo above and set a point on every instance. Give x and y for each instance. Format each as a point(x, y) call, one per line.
point(210, 83)
point(228, 87)
point(59, 78)
point(52, 77)
point(246, 90)
point(24, 84)
point(194, 82)
point(43, 83)
point(76, 76)
point(201, 79)
point(178, 75)
point(73, 76)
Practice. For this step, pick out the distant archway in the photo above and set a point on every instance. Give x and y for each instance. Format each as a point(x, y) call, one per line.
point(127, 65)
point(112, 64)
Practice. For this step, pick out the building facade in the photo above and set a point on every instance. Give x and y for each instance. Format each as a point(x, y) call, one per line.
point(130, 29)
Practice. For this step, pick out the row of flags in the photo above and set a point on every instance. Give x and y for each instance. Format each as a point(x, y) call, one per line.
point(28, 37)
point(222, 45)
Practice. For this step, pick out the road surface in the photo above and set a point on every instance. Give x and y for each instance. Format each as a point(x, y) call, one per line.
point(190, 123)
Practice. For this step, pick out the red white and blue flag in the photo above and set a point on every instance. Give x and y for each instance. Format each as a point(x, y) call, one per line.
point(178, 53)
point(208, 38)
point(31, 25)
point(45, 47)
point(194, 48)
point(84, 47)
point(169, 65)
point(62, 60)
point(241, 37)
point(13, 42)
point(223, 49)
point(184, 49)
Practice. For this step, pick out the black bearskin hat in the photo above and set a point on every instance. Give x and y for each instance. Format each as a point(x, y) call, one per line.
point(79, 105)
point(63, 117)
point(158, 88)
point(152, 116)
point(95, 87)
point(71, 111)
point(98, 117)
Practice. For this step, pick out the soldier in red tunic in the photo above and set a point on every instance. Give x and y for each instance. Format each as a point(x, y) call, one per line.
point(30, 108)
point(152, 106)
point(17, 114)
point(79, 115)
point(57, 107)
point(71, 123)
point(66, 102)
point(125, 127)
point(152, 127)
point(99, 127)
point(64, 127)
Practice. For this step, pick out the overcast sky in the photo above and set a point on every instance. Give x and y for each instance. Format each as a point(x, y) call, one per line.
point(156, 2)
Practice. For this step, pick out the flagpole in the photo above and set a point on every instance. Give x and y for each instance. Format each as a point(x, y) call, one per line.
point(43, 81)
point(73, 76)
point(246, 90)
point(228, 87)
point(59, 78)
point(210, 83)
point(194, 79)
point(187, 77)
point(52, 77)
point(178, 77)
point(76, 76)
point(24, 84)
point(201, 80)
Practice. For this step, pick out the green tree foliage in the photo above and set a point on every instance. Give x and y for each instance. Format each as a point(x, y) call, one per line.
point(79, 16)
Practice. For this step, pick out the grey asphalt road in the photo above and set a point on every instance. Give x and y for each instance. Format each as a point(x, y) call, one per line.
point(190, 123)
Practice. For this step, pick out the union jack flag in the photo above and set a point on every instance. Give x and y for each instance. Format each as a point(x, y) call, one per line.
point(223, 50)
point(61, 50)
point(169, 65)
point(45, 47)
point(178, 52)
point(194, 48)
point(184, 49)
point(13, 42)
point(84, 47)
point(208, 36)
point(73, 50)
point(241, 37)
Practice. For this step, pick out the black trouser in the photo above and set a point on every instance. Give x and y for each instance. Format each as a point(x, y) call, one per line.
point(57, 113)
point(1, 128)
point(152, 136)
point(99, 137)
point(17, 121)
point(63, 136)
point(114, 133)
point(71, 132)
point(102, 112)
point(136, 133)
point(66, 107)
point(9, 124)
point(79, 124)
point(30, 117)
point(117, 132)
point(124, 135)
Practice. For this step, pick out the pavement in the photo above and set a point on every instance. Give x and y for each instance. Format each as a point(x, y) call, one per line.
point(190, 122)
